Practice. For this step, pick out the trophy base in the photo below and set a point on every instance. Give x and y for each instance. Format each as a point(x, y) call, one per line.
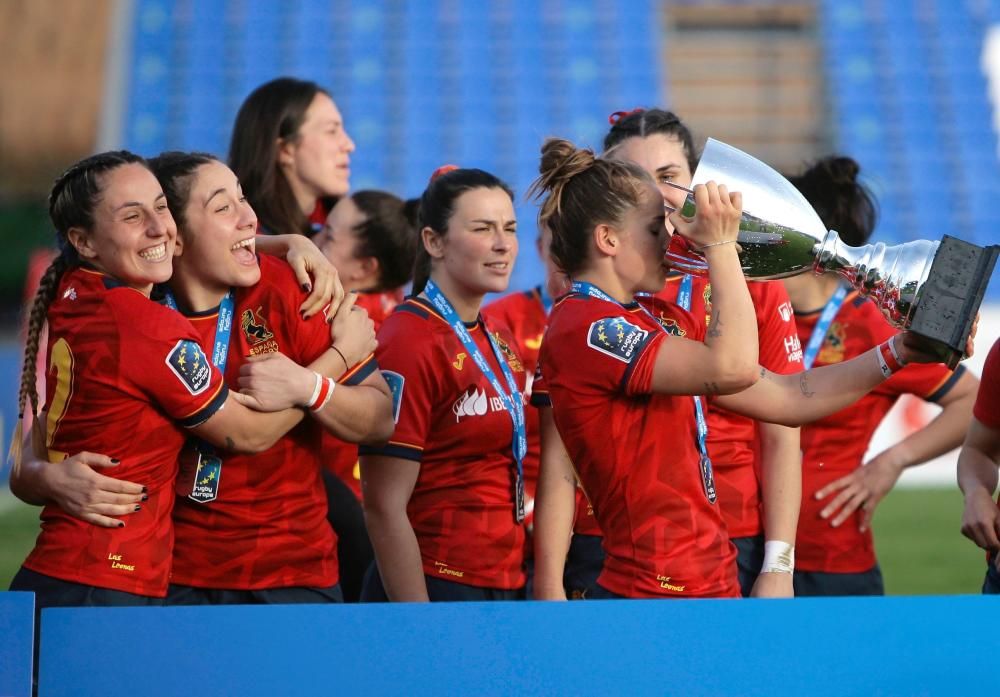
point(950, 298)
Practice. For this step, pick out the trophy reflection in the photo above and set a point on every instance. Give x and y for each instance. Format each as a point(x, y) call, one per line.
point(932, 288)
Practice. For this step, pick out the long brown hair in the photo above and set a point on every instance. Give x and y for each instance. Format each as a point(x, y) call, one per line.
point(71, 204)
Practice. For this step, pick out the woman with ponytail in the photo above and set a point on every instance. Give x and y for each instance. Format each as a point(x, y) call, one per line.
point(126, 378)
point(444, 499)
point(835, 549)
point(621, 376)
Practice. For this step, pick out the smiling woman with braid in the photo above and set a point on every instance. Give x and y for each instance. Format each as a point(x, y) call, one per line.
point(127, 377)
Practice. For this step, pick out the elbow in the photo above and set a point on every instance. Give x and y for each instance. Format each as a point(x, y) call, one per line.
point(735, 377)
point(252, 444)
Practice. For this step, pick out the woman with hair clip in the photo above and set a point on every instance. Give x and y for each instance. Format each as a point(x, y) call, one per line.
point(126, 377)
point(292, 154)
point(836, 552)
point(444, 500)
point(370, 238)
point(621, 376)
point(758, 479)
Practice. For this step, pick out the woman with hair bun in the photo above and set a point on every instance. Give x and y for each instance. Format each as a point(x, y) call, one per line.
point(621, 376)
point(444, 499)
point(836, 552)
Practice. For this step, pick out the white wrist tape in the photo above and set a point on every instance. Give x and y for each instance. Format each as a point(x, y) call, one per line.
point(779, 557)
point(316, 389)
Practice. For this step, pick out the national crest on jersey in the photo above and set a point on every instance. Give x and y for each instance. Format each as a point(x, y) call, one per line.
point(616, 337)
point(188, 362)
point(512, 360)
point(259, 336)
point(670, 325)
point(834, 346)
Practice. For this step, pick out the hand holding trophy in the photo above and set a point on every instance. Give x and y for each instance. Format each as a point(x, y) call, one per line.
point(933, 289)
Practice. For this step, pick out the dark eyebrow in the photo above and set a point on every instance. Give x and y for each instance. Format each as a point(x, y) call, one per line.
point(213, 194)
point(666, 168)
point(136, 204)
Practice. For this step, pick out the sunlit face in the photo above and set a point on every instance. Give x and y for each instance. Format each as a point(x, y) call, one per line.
point(339, 242)
point(134, 235)
point(219, 230)
point(643, 239)
point(317, 162)
point(479, 250)
point(663, 158)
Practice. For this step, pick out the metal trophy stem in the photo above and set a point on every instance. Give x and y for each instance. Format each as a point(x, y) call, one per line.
point(933, 288)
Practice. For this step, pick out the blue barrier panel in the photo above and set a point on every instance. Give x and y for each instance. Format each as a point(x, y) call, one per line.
point(17, 638)
point(863, 646)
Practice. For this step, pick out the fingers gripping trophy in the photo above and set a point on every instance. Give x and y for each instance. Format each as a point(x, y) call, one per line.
point(931, 288)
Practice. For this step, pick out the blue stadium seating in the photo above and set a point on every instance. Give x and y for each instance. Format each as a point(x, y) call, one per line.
point(420, 83)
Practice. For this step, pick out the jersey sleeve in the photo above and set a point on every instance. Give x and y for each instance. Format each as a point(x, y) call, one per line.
point(987, 409)
point(780, 349)
point(408, 368)
point(539, 388)
point(164, 360)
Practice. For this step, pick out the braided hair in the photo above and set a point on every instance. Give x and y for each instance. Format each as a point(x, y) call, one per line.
point(71, 204)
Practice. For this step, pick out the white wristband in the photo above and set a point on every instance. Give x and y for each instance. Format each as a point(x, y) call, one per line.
point(779, 557)
point(882, 365)
point(316, 389)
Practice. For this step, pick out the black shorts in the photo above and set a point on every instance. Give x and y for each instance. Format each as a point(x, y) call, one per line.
point(55, 592)
point(584, 563)
point(189, 595)
point(599, 592)
point(438, 590)
point(991, 584)
point(354, 550)
point(749, 559)
point(819, 583)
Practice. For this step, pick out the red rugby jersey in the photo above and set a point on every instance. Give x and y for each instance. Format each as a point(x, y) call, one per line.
point(834, 446)
point(340, 457)
point(987, 409)
point(635, 452)
point(266, 525)
point(524, 314)
point(449, 419)
point(125, 374)
point(732, 437)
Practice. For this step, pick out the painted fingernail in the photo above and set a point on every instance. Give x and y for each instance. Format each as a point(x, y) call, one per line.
point(121, 523)
point(145, 497)
point(307, 287)
point(145, 490)
point(138, 507)
point(115, 461)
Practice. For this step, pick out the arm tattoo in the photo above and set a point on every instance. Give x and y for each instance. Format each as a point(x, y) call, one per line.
point(804, 385)
point(571, 480)
point(712, 388)
point(230, 445)
point(763, 373)
point(715, 326)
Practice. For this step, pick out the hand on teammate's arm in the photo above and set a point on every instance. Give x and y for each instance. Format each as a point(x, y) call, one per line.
point(387, 484)
point(555, 504)
point(76, 487)
point(316, 275)
point(977, 478)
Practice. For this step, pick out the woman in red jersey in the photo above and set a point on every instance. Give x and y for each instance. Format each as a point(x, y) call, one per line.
point(977, 470)
point(444, 499)
point(126, 376)
point(836, 551)
point(620, 375)
point(370, 238)
point(292, 154)
point(758, 480)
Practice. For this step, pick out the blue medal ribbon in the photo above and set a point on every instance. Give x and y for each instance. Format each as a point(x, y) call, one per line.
point(208, 471)
point(512, 400)
point(818, 335)
point(684, 300)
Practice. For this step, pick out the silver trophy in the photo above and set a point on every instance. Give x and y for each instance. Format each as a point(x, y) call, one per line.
point(932, 288)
